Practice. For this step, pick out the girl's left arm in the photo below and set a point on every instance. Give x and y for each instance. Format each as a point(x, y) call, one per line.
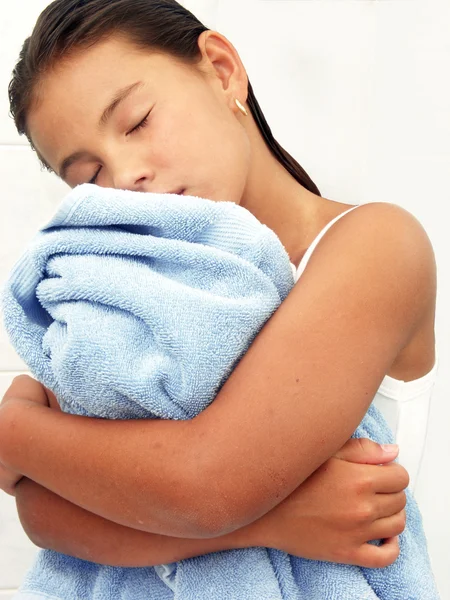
point(293, 400)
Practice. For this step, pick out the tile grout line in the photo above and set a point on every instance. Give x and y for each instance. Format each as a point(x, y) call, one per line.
point(14, 373)
point(13, 145)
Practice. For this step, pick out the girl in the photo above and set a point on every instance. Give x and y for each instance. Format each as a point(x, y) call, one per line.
point(139, 95)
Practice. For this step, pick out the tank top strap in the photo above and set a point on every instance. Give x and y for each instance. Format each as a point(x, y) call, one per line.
point(311, 248)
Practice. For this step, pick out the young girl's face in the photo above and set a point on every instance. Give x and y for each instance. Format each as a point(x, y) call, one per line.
point(174, 128)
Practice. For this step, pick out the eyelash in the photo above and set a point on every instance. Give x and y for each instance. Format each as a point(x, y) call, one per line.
point(140, 125)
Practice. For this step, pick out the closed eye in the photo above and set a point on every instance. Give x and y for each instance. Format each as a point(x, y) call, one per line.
point(93, 180)
point(140, 125)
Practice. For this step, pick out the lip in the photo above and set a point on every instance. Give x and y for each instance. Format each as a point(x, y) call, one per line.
point(178, 192)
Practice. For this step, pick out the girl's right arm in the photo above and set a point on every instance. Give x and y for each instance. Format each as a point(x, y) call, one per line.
point(331, 517)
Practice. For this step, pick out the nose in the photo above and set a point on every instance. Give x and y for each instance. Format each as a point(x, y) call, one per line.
point(132, 176)
point(126, 182)
point(130, 181)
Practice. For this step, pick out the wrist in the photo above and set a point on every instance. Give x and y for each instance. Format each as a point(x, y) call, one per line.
point(252, 535)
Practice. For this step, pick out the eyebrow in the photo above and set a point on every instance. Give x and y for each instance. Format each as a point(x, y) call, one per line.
point(118, 98)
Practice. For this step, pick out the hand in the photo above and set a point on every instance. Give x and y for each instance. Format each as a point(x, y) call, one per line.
point(52, 400)
point(342, 506)
point(22, 388)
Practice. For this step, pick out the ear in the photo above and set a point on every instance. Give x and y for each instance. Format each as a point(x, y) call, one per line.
point(223, 64)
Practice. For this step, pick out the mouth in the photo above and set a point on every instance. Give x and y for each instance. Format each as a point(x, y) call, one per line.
point(179, 192)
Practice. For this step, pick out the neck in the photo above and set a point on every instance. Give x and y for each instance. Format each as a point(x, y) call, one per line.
point(280, 202)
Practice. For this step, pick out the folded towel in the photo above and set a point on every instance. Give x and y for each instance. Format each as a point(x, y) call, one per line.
point(132, 305)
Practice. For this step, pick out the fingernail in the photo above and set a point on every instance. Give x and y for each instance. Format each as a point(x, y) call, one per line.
point(390, 448)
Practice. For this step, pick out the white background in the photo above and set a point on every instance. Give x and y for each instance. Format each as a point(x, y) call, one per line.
point(359, 92)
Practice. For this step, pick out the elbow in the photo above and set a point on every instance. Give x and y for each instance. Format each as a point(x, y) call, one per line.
point(203, 519)
point(209, 502)
point(215, 523)
point(218, 505)
point(225, 521)
point(218, 514)
point(227, 508)
point(198, 514)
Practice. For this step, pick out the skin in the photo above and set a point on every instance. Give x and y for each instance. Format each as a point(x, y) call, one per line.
point(207, 147)
point(367, 504)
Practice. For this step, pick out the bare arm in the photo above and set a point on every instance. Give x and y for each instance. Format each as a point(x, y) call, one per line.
point(55, 523)
point(285, 409)
point(331, 516)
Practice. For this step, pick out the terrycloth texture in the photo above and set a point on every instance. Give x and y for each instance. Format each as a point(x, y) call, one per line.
point(139, 306)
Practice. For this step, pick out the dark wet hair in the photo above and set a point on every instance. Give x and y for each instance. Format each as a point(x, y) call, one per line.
point(162, 25)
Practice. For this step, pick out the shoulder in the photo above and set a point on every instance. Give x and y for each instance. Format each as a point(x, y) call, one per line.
point(381, 254)
point(391, 238)
point(384, 234)
point(390, 218)
point(384, 221)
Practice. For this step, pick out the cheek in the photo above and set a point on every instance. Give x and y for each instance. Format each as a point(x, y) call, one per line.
point(227, 160)
point(178, 144)
point(205, 150)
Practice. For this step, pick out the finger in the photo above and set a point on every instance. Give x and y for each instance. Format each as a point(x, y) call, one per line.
point(377, 557)
point(365, 451)
point(387, 479)
point(24, 386)
point(388, 505)
point(388, 527)
point(52, 399)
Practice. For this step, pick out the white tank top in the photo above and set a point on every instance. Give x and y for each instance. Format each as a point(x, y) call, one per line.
point(404, 404)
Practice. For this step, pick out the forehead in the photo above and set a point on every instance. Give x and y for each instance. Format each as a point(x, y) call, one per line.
point(71, 97)
point(106, 66)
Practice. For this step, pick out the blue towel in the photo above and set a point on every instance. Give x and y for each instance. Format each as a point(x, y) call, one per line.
point(132, 305)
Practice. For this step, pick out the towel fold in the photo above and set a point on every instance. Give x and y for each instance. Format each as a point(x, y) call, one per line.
point(131, 305)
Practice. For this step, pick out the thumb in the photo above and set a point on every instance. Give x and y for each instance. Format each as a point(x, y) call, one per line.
point(24, 386)
point(365, 451)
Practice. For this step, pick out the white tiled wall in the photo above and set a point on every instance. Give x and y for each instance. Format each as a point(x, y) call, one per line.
point(358, 91)
point(27, 196)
